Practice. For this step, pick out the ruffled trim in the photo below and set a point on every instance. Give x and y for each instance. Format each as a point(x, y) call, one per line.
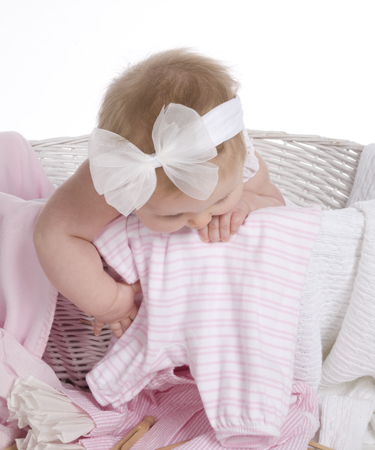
point(53, 418)
point(30, 443)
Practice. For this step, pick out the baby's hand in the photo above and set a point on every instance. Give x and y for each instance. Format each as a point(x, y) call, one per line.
point(122, 312)
point(221, 228)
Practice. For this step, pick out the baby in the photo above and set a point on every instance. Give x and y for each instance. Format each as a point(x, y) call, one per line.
point(169, 148)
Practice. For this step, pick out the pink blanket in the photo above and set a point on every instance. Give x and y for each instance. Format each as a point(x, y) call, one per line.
point(27, 299)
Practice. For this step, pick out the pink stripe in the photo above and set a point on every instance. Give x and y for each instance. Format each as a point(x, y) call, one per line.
point(189, 286)
point(276, 225)
point(287, 218)
point(284, 393)
point(200, 298)
point(116, 370)
point(178, 352)
point(208, 325)
point(270, 250)
point(182, 340)
point(250, 379)
point(211, 248)
point(122, 261)
point(162, 357)
point(285, 362)
point(250, 249)
point(205, 324)
point(112, 236)
point(289, 244)
point(159, 249)
point(226, 310)
point(249, 259)
point(284, 212)
point(259, 225)
point(120, 247)
point(248, 352)
point(109, 226)
point(237, 273)
point(228, 336)
point(109, 385)
point(229, 417)
point(135, 226)
point(250, 405)
point(262, 413)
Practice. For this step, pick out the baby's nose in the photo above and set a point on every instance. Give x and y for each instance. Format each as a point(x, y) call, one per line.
point(199, 220)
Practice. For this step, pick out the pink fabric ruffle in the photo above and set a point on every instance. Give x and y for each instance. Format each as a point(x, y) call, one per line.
point(27, 298)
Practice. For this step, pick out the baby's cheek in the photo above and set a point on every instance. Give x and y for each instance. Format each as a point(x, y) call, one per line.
point(229, 206)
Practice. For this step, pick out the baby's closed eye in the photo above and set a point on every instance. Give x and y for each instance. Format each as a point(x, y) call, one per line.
point(174, 216)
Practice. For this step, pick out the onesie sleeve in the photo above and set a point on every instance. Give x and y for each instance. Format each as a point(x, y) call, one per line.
point(112, 244)
point(251, 164)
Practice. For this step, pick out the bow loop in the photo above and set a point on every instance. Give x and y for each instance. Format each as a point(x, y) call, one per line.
point(120, 171)
point(183, 146)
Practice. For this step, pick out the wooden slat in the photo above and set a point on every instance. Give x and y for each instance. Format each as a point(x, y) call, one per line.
point(319, 446)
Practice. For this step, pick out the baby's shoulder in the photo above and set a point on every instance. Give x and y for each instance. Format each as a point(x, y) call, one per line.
point(251, 163)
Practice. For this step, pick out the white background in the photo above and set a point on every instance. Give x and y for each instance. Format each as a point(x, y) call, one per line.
point(305, 66)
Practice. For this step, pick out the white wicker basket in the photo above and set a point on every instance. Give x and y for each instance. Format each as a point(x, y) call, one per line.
point(307, 169)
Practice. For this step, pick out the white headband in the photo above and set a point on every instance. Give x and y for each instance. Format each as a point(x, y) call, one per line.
point(184, 142)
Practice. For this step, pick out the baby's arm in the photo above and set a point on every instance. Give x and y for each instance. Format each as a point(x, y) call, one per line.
point(258, 192)
point(69, 221)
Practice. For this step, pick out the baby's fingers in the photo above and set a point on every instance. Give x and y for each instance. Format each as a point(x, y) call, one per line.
point(133, 312)
point(225, 227)
point(132, 315)
point(98, 326)
point(114, 326)
point(117, 328)
point(203, 234)
point(214, 229)
point(237, 219)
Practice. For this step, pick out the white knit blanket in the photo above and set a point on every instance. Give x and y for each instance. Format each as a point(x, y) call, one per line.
point(336, 342)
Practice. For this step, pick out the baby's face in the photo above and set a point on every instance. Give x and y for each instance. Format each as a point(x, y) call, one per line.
point(165, 214)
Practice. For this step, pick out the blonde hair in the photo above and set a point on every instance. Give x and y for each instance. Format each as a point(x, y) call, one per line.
point(134, 99)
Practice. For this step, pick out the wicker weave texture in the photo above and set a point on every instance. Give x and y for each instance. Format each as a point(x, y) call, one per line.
point(310, 169)
point(307, 169)
point(61, 157)
point(73, 349)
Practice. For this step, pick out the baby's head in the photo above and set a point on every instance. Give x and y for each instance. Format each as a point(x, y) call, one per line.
point(133, 102)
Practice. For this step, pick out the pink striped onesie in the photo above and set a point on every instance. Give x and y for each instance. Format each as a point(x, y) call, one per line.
point(228, 311)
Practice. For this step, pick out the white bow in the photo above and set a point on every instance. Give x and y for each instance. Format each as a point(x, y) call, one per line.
point(126, 176)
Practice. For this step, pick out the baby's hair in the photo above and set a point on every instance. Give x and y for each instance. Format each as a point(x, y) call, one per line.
point(134, 99)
